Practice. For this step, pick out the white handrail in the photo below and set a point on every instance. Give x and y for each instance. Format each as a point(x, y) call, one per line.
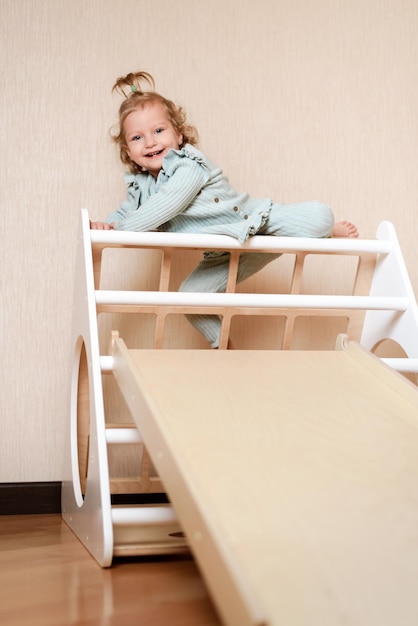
point(227, 300)
point(223, 242)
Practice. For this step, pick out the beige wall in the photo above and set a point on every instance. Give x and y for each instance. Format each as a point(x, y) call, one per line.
point(296, 99)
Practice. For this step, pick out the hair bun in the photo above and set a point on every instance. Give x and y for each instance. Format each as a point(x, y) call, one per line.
point(133, 83)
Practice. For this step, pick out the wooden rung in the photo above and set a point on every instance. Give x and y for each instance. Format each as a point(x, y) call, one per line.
point(128, 486)
point(151, 484)
point(150, 539)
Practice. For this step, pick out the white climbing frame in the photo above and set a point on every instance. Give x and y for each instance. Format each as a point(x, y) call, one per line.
point(382, 306)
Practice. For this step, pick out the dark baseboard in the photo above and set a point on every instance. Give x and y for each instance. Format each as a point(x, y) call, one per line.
point(30, 498)
point(139, 498)
point(45, 497)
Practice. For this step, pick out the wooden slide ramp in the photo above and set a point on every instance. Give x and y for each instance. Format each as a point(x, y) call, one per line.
point(293, 474)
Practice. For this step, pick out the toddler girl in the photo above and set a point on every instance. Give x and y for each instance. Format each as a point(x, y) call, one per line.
point(173, 187)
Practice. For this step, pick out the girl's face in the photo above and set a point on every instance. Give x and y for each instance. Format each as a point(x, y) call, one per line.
point(149, 135)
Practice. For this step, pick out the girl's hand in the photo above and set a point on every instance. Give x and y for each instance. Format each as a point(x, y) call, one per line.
point(100, 226)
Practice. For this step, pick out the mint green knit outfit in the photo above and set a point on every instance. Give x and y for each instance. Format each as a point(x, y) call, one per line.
point(192, 195)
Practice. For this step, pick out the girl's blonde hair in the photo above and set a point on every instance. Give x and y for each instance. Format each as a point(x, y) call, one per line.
point(131, 87)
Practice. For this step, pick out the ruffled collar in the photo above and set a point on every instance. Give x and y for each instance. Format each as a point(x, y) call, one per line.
point(187, 151)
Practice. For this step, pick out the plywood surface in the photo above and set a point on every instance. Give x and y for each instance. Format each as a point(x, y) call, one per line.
point(294, 476)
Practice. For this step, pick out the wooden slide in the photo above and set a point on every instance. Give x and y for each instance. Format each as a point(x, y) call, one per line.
point(294, 476)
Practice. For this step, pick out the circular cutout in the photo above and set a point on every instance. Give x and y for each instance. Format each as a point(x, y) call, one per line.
point(80, 421)
point(388, 348)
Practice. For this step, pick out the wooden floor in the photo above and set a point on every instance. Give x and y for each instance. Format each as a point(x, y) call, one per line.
point(47, 578)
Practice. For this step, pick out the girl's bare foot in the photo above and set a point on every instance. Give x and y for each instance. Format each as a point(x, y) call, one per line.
point(345, 229)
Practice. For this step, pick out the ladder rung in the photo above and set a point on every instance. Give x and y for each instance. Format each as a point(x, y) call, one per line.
point(141, 484)
point(402, 364)
point(143, 515)
point(106, 364)
point(228, 300)
point(123, 434)
point(223, 242)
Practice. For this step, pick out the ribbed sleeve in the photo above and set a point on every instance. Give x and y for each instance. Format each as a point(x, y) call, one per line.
point(170, 198)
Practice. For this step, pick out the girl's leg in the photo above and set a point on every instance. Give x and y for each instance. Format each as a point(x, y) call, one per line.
point(306, 219)
point(303, 219)
point(211, 276)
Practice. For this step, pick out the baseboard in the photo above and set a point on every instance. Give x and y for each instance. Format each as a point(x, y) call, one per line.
point(30, 498)
point(45, 497)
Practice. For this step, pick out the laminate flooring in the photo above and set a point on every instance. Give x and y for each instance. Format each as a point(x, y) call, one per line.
point(47, 578)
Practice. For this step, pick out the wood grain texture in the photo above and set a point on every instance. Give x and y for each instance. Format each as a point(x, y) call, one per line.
point(48, 578)
point(293, 475)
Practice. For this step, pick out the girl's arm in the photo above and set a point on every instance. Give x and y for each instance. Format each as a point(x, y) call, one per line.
point(173, 197)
